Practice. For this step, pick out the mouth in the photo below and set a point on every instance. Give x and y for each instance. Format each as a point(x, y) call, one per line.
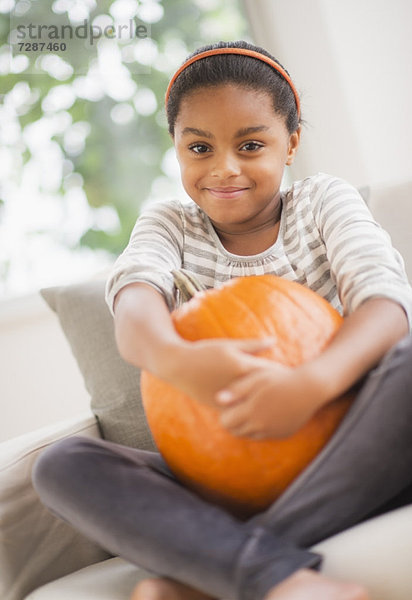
point(227, 192)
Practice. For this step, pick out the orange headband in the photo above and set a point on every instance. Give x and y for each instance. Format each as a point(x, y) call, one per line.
point(243, 51)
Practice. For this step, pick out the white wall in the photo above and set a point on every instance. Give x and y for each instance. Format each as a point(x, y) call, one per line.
point(39, 382)
point(352, 62)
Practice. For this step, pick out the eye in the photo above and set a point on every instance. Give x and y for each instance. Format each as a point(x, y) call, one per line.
point(199, 148)
point(252, 146)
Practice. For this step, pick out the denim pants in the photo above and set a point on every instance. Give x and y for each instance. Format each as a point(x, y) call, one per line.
point(129, 502)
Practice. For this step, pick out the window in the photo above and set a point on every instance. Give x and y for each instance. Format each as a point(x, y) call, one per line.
point(83, 137)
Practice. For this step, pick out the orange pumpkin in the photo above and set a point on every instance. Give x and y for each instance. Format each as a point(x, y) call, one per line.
point(241, 474)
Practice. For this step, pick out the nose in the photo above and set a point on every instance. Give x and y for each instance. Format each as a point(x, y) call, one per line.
point(225, 165)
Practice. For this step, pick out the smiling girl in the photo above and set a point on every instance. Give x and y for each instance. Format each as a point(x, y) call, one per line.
point(234, 117)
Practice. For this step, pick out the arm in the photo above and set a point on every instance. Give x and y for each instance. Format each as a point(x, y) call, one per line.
point(372, 287)
point(365, 336)
point(248, 406)
point(146, 338)
point(144, 331)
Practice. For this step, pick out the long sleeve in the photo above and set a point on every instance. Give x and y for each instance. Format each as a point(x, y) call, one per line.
point(154, 250)
point(362, 259)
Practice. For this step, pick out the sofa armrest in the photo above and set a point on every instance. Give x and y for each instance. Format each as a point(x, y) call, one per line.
point(35, 546)
point(376, 553)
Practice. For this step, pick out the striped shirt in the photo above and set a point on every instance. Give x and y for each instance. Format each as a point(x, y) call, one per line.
point(327, 241)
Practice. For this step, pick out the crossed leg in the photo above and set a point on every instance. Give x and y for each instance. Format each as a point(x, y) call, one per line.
point(129, 502)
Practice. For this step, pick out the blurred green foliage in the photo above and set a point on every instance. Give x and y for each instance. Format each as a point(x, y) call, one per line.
point(118, 163)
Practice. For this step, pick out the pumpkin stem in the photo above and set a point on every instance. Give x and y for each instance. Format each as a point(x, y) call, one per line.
point(187, 284)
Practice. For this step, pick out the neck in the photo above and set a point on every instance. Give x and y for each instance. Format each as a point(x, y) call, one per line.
point(247, 241)
point(261, 227)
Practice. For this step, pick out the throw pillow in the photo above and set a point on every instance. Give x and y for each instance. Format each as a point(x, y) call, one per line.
point(114, 385)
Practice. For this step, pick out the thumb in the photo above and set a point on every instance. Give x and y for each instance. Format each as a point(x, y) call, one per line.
point(253, 345)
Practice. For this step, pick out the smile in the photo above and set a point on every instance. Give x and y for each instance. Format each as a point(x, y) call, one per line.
point(227, 192)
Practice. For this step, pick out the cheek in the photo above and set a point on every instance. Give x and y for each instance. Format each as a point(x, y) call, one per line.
point(182, 165)
point(190, 173)
point(269, 172)
point(188, 179)
point(185, 175)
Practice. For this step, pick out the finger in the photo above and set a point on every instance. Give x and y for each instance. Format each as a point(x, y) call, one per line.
point(251, 346)
point(257, 436)
point(238, 389)
point(239, 426)
point(234, 422)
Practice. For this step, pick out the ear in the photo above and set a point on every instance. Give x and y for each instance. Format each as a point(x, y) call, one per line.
point(294, 141)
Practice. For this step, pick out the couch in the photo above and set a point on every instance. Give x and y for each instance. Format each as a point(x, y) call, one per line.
point(42, 558)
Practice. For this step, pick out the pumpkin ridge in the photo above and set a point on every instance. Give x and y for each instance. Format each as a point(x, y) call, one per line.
point(240, 302)
point(300, 305)
point(252, 309)
point(213, 317)
point(275, 328)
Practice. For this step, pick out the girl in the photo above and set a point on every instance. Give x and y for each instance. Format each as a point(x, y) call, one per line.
point(234, 117)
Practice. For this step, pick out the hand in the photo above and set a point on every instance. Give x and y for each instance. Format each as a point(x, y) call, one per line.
point(200, 369)
point(272, 401)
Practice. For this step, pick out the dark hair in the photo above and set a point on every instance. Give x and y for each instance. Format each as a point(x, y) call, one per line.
point(246, 71)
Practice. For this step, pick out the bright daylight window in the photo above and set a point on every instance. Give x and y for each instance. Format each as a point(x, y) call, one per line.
point(83, 137)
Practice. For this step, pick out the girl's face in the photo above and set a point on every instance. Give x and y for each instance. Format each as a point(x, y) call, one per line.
point(232, 149)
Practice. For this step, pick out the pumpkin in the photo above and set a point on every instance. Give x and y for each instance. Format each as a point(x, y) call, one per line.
point(241, 474)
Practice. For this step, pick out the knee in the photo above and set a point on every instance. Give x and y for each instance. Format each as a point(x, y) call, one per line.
point(398, 357)
point(405, 345)
point(58, 464)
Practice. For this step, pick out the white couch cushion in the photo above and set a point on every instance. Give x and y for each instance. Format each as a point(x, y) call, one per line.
point(377, 553)
point(35, 547)
point(112, 579)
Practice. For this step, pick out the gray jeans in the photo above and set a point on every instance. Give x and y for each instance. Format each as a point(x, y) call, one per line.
point(129, 502)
